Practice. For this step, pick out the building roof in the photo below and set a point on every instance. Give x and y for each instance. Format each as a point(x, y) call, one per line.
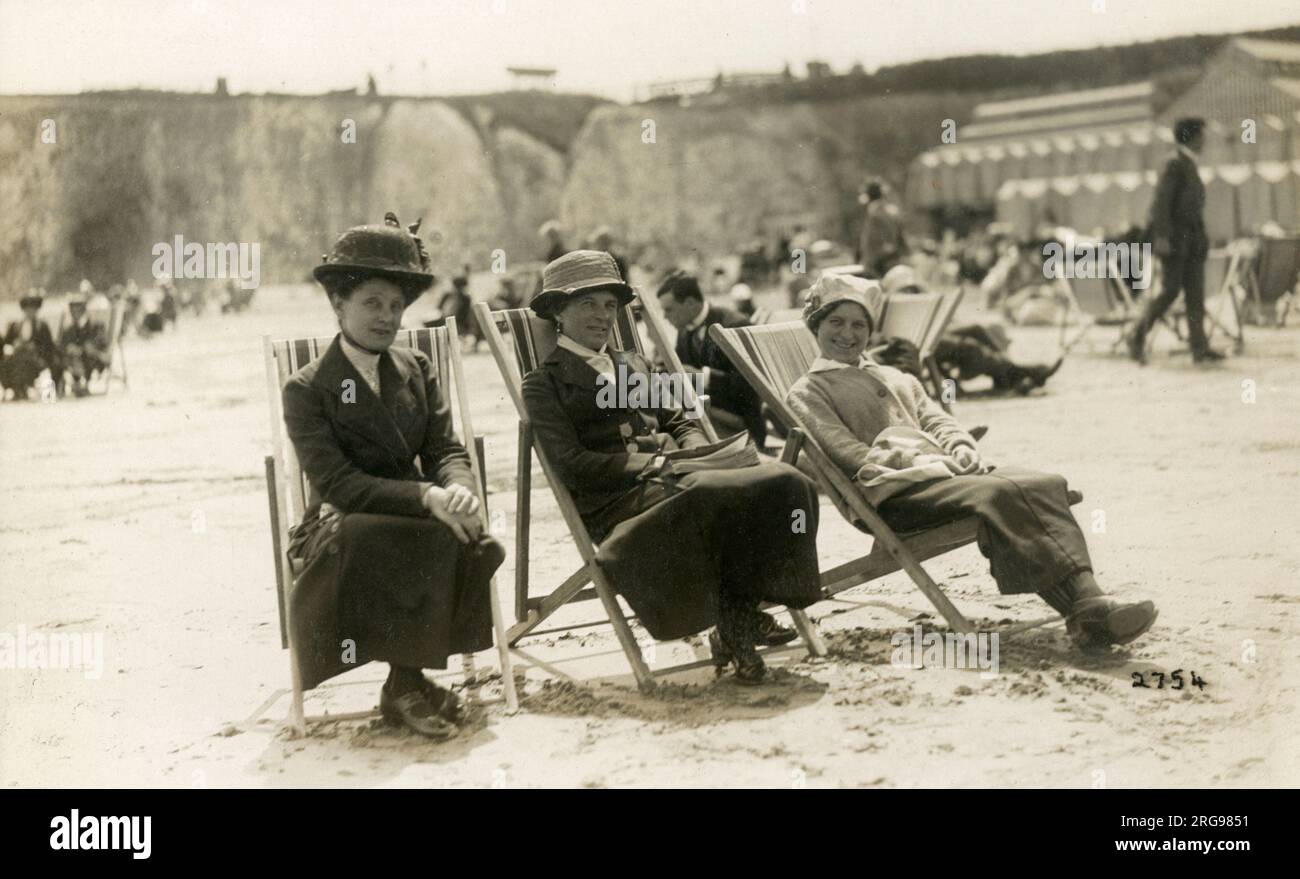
point(1089, 109)
point(1277, 51)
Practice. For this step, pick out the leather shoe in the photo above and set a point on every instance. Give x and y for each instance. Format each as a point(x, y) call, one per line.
point(1208, 355)
point(771, 633)
point(1096, 623)
point(443, 701)
point(413, 711)
point(749, 665)
point(1137, 348)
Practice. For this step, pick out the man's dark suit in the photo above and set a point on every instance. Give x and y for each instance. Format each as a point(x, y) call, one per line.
point(1176, 217)
point(727, 388)
point(385, 574)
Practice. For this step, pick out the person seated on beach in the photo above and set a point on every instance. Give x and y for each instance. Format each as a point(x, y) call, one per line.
point(687, 550)
point(733, 404)
point(917, 466)
point(964, 352)
point(393, 557)
point(29, 349)
point(83, 345)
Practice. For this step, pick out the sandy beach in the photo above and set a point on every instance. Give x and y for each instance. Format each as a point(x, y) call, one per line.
point(142, 516)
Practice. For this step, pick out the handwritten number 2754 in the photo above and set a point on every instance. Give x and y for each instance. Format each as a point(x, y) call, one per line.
point(1176, 676)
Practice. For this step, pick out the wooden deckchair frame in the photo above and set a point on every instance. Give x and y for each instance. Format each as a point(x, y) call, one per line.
point(944, 307)
point(287, 487)
point(891, 551)
point(1235, 285)
point(1123, 310)
point(531, 612)
point(116, 355)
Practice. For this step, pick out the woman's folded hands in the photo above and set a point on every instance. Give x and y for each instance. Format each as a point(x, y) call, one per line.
point(968, 460)
point(457, 508)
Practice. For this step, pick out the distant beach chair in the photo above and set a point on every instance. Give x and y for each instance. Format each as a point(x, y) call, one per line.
point(921, 318)
point(772, 358)
point(1097, 302)
point(532, 340)
point(1272, 286)
point(1228, 280)
point(287, 486)
point(116, 366)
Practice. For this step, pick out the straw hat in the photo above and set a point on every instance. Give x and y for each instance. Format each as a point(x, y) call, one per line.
point(901, 279)
point(575, 273)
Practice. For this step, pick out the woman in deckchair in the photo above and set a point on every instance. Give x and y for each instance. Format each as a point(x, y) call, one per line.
point(395, 566)
point(921, 469)
point(687, 550)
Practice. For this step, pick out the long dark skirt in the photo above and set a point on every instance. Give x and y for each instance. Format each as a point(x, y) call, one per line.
point(398, 589)
point(750, 533)
point(1026, 531)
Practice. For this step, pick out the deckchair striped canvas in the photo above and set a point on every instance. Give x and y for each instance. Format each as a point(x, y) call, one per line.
point(909, 316)
point(534, 337)
point(768, 357)
point(942, 317)
point(293, 354)
point(283, 358)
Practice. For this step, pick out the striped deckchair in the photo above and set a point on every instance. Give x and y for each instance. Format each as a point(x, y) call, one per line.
point(1098, 302)
point(772, 358)
point(532, 340)
point(288, 488)
point(947, 307)
point(116, 368)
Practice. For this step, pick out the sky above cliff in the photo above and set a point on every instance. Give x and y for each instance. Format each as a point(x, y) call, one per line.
point(612, 48)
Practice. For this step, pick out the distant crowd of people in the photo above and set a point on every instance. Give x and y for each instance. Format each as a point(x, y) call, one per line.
point(79, 350)
point(40, 361)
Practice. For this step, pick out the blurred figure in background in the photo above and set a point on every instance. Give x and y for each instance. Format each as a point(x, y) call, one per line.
point(552, 233)
point(742, 300)
point(168, 309)
point(881, 246)
point(733, 404)
point(83, 346)
point(457, 303)
point(132, 314)
point(29, 349)
point(1179, 239)
point(603, 239)
point(964, 352)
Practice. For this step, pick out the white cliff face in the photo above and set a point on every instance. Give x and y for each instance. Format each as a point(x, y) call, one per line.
point(128, 171)
point(712, 178)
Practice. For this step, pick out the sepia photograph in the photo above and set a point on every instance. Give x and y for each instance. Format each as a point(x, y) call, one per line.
point(559, 394)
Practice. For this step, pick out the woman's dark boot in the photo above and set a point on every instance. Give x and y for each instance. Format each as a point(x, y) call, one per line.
point(738, 635)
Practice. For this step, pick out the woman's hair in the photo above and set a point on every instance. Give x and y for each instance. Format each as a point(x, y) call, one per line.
point(343, 284)
point(815, 319)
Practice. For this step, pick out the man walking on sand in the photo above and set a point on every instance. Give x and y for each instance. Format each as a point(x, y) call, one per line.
point(1178, 234)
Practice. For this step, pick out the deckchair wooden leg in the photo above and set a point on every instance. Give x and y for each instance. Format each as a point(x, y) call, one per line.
point(276, 549)
point(808, 632)
point(297, 719)
point(645, 681)
point(523, 490)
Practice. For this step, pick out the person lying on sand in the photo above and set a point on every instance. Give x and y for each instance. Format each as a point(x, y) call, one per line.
point(921, 469)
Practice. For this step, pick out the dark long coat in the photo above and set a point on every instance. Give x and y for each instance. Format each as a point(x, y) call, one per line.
point(21, 369)
point(671, 552)
point(384, 574)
